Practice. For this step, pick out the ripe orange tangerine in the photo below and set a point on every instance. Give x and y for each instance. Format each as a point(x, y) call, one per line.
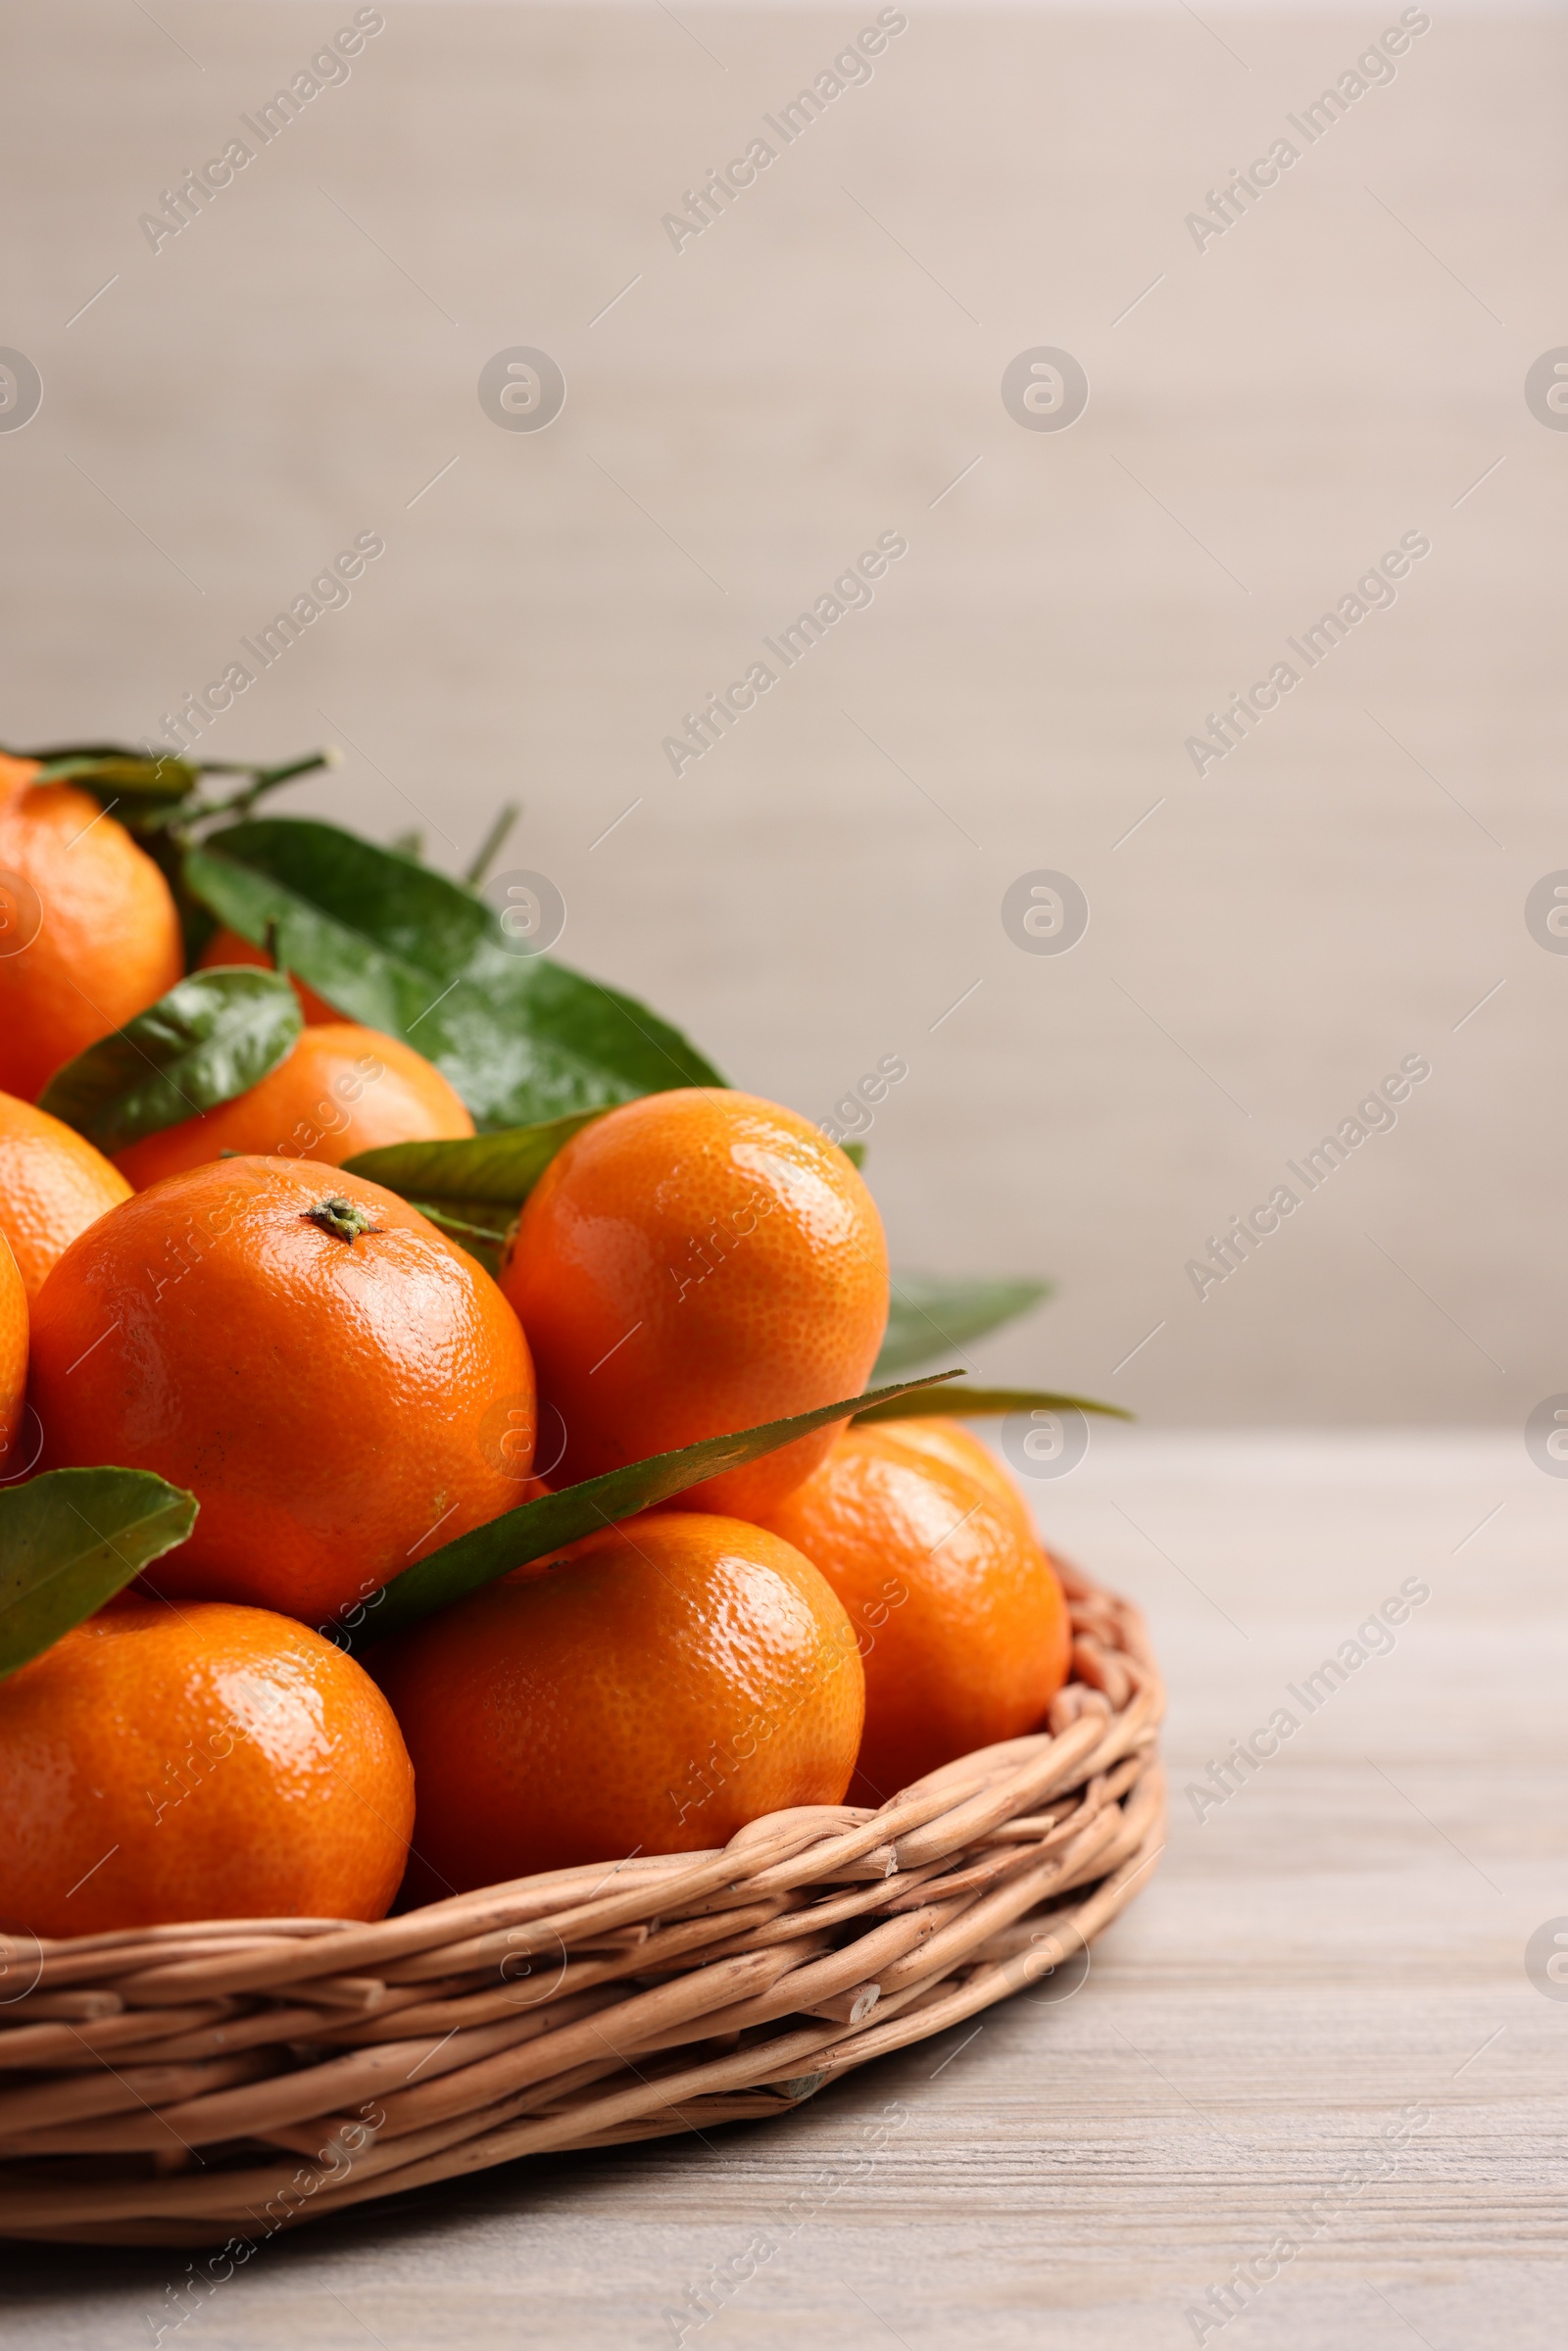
point(960, 1449)
point(194, 1763)
point(649, 1689)
point(693, 1263)
point(16, 775)
point(961, 1619)
point(53, 1185)
point(14, 1344)
point(88, 932)
point(339, 1090)
point(341, 1387)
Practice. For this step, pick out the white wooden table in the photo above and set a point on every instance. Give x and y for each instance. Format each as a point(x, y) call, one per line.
point(1341, 1939)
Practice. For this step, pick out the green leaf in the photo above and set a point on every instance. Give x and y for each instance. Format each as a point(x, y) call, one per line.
point(405, 948)
point(377, 933)
point(61, 758)
point(213, 1036)
point(930, 1314)
point(121, 774)
point(473, 1186)
point(854, 1152)
point(533, 1529)
point(497, 1170)
point(70, 1540)
point(976, 1403)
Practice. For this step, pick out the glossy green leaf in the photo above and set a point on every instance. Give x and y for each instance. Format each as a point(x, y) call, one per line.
point(536, 1528)
point(473, 1186)
point(405, 948)
point(213, 1036)
point(500, 1169)
point(978, 1403)
point(377, 933)
point(70, 1540)
point(930, 1314)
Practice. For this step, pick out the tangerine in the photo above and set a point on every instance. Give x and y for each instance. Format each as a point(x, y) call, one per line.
point(951, 1442)
point(53, 1185)
point(693, 1263)
point(203, 1762)
point(16, 775)
point(14, 1343)
point(962, 1622)
point(649, 1689)
point(338, 1091)
point(88, 932)
point(227, 947)
point(339, 1385)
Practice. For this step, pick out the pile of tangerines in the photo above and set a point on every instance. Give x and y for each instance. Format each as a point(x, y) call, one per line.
point(345, 1389)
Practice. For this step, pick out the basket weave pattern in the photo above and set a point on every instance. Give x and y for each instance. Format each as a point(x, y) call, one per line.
point(189, 2084)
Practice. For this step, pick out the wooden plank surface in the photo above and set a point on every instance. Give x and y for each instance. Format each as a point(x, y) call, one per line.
point(1342, 1940)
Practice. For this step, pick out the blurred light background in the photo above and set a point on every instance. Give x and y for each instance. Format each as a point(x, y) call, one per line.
point(1271, 408)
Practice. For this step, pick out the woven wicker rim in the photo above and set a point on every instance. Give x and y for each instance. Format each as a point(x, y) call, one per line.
point(221, 2081)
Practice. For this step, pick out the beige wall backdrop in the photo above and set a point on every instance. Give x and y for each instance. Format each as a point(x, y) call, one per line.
point(1267, 415)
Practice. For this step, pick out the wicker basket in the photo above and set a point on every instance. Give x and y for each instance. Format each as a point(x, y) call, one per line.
point(215, 2083)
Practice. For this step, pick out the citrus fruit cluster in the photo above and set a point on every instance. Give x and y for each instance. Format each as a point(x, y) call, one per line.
point(424, 1465)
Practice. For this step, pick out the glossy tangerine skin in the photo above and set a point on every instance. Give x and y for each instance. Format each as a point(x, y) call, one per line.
point(963, 1623)
point(339, 1090)
point(339, 1407)
point(226, 1761)
point(107, 941)
point(13, 1347)
point(53, 1185)
point(653, 1688)
point(693, 1263)
point(951, 1442)
point(226, 946)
